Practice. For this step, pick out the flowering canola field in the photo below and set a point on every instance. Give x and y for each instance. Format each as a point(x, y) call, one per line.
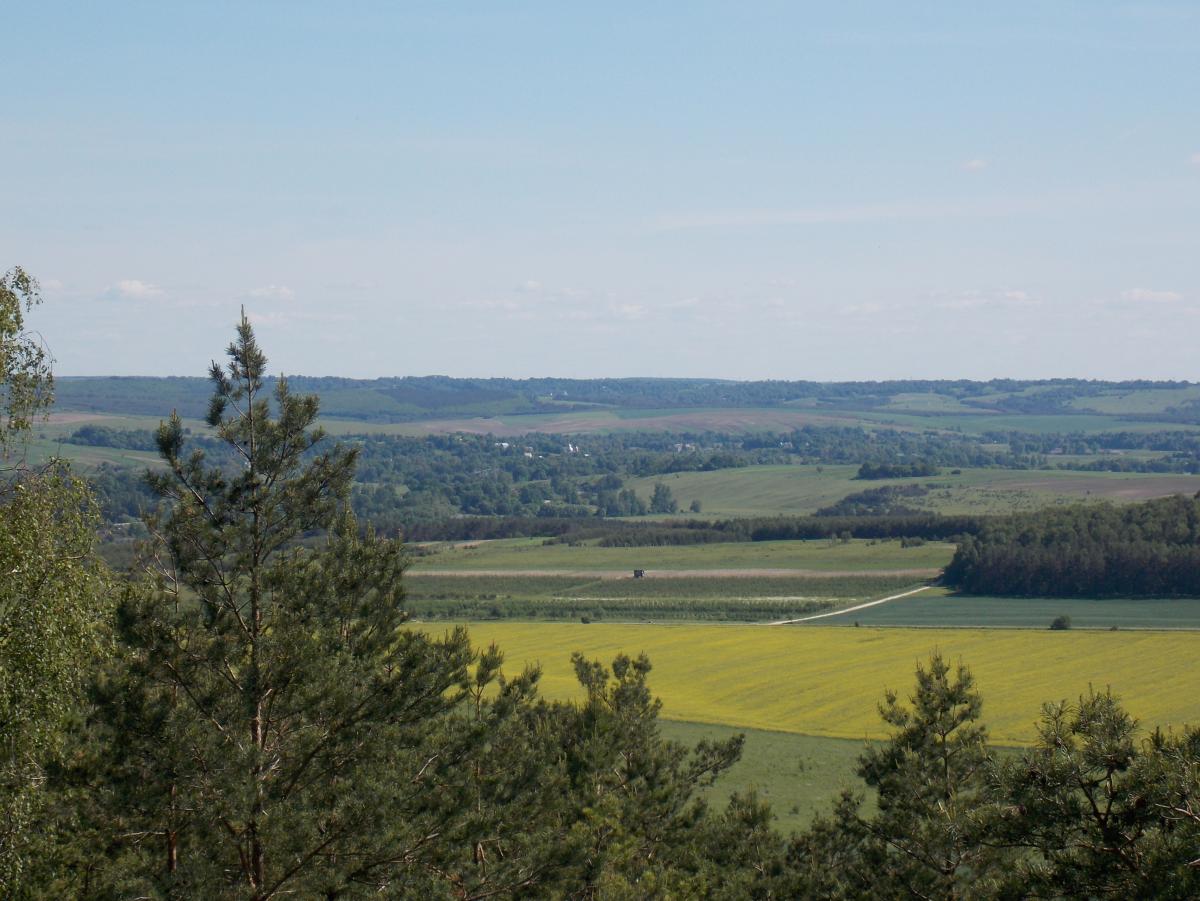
point(828, 681)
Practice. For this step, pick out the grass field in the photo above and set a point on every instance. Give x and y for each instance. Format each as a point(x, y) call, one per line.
point(757, 490)
point(1086, 423)
point(1145, 401)
point(827, 681)
point(800, 490)
point(938, 607)
point(799, 774)
point(534, 555)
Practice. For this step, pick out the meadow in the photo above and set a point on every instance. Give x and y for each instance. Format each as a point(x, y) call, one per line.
point(800, 775)
point(802, 489)
point(827, 681)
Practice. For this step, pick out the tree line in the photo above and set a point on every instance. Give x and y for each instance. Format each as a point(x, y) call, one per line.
point(1151, 549)
point(400, 481)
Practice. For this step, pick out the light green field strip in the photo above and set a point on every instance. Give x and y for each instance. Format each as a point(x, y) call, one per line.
point(828, 681)
point(533, 555)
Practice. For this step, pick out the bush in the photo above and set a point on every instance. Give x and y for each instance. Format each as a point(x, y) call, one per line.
point(1061, 622)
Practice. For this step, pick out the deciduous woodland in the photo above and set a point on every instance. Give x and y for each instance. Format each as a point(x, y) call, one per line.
point(244, 711)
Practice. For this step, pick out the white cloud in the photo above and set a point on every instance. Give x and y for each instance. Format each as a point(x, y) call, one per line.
point(975, 165)
point(272, 292)
point(136, 289)
point(1148, 295)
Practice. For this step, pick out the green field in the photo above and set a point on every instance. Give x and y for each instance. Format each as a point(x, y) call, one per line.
point(38, 451)
point(939, 608)
point(799, 774)
point(1037, 423)
point(1145, 401)
point(827, 681)
point(802, 490)
point(534, 555)
point(757, 490)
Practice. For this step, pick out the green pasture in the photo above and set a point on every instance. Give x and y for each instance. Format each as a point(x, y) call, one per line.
point(1146, 401)
point(1037, 423)
point(534, 554)
point(800, 775)
point(801, 490)
point(928, 403)
point(38, 451)
point(757, 490)
point(1011, 490)
point(937, 607)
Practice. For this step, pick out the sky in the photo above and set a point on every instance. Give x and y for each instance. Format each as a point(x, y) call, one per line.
point(745, 190)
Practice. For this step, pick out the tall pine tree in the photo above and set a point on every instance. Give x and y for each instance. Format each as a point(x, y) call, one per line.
point(281, 732)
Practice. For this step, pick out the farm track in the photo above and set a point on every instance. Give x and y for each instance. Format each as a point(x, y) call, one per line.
point(875, 603)
point(752, 573)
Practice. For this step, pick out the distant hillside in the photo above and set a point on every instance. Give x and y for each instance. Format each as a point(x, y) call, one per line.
point(413, 399)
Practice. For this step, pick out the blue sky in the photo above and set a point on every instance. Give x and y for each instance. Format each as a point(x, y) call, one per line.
point(745, 190)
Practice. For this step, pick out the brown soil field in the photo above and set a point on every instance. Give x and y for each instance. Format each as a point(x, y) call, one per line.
point(1137, 488)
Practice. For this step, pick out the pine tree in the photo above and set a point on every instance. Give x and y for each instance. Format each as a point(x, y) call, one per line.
point(931, 781)
point(1100, 812)
point(286, 734)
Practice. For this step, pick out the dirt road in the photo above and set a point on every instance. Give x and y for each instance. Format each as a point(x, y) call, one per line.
point(805, 619)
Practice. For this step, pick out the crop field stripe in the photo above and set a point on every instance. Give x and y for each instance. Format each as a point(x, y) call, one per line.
point(828, 681)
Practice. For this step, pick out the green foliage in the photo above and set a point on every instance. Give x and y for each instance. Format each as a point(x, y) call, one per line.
point(263, 678)
point(1097, 812)
point(896, 470)
point(663, 501)
point(1150, 549)
point(26, 383)
point(52, 595)
point(52, 603)
point(930, 780)
point(270, 728)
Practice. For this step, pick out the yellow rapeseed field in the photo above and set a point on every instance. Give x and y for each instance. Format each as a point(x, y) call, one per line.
point(829, 680)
